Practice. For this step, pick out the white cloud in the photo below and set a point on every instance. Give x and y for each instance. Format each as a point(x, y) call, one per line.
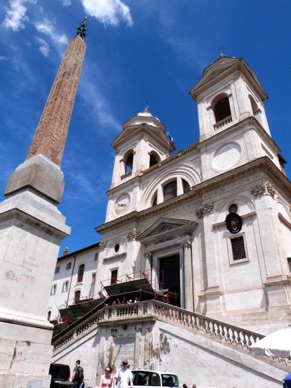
point(47, 28)
point(108, 11)
point(99, 107)
point(3, 58)
point(43, 47)
point(15, 15)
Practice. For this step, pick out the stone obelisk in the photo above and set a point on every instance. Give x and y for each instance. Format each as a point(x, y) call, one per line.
point(31, 229)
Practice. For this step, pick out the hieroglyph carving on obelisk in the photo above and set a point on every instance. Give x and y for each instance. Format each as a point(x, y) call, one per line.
point(50, 136)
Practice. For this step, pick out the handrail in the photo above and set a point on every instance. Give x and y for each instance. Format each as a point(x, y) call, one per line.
point(159, 310)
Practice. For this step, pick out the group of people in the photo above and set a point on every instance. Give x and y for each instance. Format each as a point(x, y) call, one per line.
point(125, 301)
point(123, 378)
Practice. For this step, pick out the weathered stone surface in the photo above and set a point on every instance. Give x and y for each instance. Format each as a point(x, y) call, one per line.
point(51, 133)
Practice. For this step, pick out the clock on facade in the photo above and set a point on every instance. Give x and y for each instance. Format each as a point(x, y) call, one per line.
point(122, 203)
point(226, 156)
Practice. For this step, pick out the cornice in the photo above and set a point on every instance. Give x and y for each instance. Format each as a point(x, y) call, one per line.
point(249, 123)
point(263, 164)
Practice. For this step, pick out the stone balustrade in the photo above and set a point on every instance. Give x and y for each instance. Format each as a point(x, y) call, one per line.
point(223, 122)
point(153, 309)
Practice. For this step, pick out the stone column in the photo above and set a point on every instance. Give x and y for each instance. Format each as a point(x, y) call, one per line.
point(188, 281)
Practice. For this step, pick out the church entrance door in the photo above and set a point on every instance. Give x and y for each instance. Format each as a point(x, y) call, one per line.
point(170, 277)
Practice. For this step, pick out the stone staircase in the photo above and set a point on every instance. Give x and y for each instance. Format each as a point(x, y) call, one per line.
point(181, 327)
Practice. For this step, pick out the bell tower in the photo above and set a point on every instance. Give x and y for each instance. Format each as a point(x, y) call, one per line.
point(31, 229)
point(228, 92)
point(233, 125)
point(142, 144)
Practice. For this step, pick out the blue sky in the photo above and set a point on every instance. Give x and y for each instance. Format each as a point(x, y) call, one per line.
point(137, 51)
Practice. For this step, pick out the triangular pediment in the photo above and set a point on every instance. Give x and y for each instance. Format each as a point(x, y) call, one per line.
point(167, 226)
point(222, 67)
point(135, 132)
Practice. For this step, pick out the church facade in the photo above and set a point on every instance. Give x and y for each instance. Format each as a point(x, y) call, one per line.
point(208, 227)
point(210, 224)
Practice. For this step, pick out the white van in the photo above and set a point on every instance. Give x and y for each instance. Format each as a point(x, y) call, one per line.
point(150, 378)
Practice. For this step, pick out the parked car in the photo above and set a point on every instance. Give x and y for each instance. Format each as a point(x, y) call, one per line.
point(59, 373)
point(150, 378)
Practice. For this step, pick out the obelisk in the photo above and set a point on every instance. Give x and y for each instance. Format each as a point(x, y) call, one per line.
point(31, 229)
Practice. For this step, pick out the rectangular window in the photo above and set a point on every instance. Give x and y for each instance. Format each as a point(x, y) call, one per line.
point(53, 289)
point(114, 276)
point(68, 266)
point(96, 256)
point(238, 248)
point(80, 273)
point(57, 269)
point(65, 286)
point(93, 279)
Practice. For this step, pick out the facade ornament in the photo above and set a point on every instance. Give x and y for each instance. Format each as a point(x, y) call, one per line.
point(266, 188)
point(258, 190)
point(270, 189)
point(186, 244)
point(147, 254)
point(103, 245)
point(204, 210)
point(134, 235)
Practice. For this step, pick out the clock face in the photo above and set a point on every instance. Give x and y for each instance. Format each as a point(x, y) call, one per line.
point(122, 203)
point(226, 156)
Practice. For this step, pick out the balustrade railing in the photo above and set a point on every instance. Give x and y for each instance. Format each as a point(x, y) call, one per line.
point(151, 308)
point(223, 122)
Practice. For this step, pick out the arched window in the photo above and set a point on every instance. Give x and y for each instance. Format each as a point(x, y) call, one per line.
point(128, 161)
point(170, 190)
point(77, 296)
point(186, 186)
point(154, 158)
point(222, 109)
point(49, 314)
point(80, 273)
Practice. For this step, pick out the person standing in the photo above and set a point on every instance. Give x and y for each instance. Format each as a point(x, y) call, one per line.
point(78, 375)
point(107, 381)
point(124, 376)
